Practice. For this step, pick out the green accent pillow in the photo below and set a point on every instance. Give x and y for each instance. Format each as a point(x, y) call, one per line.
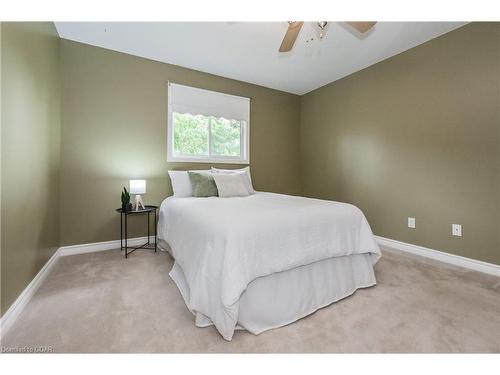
point(203, 184)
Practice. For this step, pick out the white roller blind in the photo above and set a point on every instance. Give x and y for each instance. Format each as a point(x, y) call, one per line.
point(186, 99)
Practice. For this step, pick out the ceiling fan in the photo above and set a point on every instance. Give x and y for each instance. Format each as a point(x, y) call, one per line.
point(295, 26)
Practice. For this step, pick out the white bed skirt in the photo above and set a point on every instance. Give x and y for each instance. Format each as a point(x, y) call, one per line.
point(284, 297)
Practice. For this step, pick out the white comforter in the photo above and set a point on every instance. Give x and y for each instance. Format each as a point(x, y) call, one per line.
point(223, 244)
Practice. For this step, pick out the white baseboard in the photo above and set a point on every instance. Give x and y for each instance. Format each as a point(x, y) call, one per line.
point(20, 303)
point(100, 246)
point(457, 260)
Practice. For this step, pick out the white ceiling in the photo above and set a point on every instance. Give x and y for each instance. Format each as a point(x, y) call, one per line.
point(248, 51)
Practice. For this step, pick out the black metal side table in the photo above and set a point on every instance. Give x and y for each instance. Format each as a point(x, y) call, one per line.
point(124, 229)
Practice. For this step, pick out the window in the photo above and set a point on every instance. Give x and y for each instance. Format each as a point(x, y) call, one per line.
point(207, 126)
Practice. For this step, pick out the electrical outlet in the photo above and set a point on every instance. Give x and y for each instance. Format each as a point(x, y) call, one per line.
point(411, 222)
point(456, 230)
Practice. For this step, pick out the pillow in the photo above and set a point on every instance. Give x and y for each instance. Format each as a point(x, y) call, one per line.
point(245, 171)
point(203, 184)
point(231, 185)
point(181, 185)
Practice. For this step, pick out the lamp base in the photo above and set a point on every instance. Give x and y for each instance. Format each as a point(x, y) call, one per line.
point(138, 203)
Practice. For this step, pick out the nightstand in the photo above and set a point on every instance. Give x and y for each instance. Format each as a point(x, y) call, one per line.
point(148, 210)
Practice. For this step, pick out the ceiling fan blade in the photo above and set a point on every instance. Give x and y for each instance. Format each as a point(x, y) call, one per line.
point(290, 36)
point(362, 27)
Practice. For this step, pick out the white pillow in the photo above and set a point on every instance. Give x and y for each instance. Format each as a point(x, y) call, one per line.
point(245, 171)
point(231, 185)
point(181, 185)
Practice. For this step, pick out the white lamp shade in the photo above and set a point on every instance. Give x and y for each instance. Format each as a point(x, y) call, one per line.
point(137, 186)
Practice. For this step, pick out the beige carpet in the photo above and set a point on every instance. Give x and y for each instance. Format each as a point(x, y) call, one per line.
point(100, 302)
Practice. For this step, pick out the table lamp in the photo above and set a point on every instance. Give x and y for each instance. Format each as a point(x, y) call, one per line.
point(138, 187)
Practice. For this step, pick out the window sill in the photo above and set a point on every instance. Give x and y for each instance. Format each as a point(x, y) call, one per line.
point(175, 159)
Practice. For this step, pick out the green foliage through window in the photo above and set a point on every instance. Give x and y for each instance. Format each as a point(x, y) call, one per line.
point(225, 137)
point(198, 135)
point(190, 134)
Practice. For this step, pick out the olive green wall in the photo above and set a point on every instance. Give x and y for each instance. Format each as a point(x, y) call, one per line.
point(114, 127)
point(30, 135)
point(415, 135)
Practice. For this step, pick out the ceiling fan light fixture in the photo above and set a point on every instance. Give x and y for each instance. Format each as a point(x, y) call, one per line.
point(322, 26)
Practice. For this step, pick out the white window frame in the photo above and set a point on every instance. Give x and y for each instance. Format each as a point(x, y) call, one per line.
point(244, 140)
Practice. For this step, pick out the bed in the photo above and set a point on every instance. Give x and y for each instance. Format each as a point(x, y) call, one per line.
point(266, 260)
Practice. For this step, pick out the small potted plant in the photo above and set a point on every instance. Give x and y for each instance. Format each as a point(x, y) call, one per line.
point(126, 205)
